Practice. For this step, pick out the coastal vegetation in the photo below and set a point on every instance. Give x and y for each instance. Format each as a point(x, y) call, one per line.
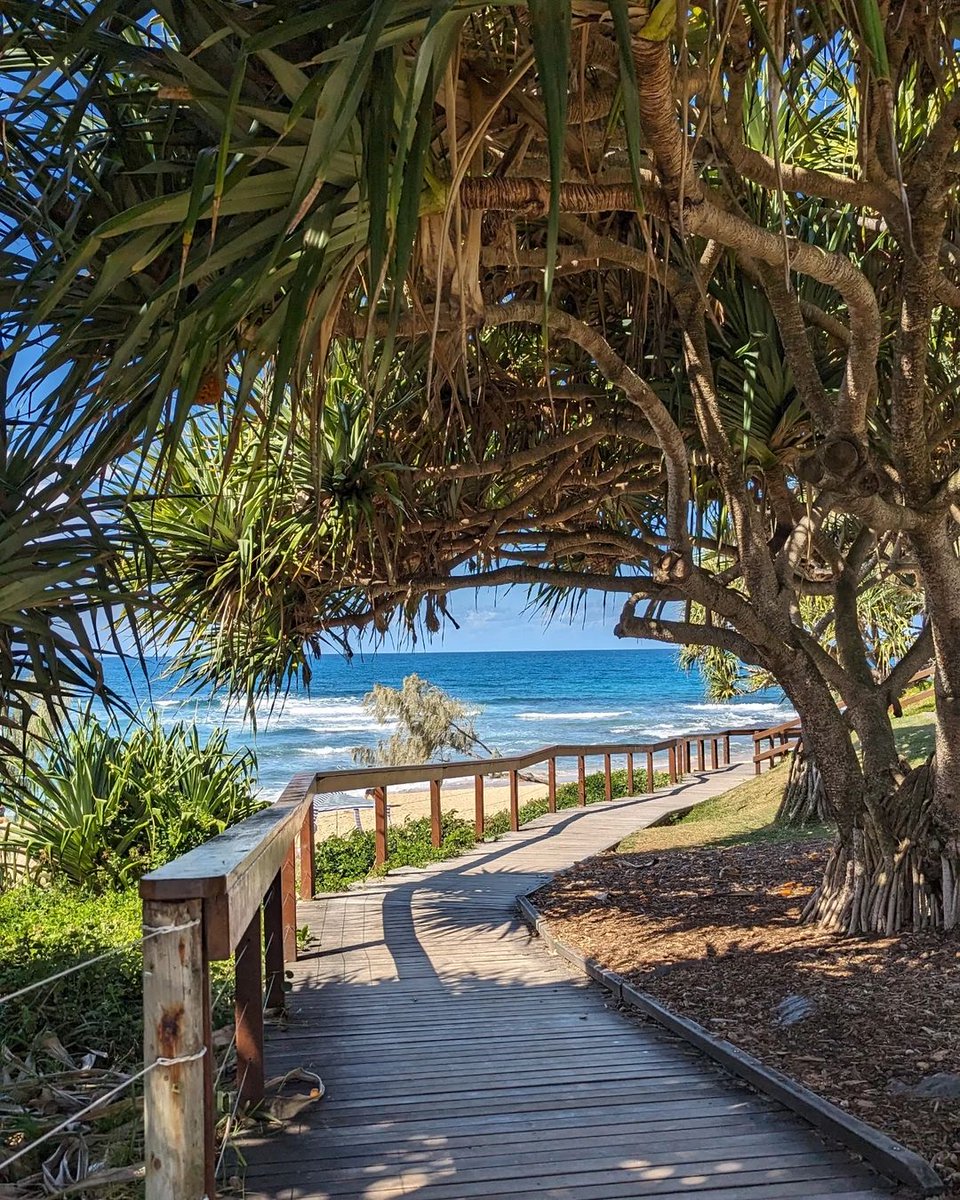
point(657, 305)
point(101, 808)
point(316, 315)
point(429, 723)
point(345, 860)
point(98, 808)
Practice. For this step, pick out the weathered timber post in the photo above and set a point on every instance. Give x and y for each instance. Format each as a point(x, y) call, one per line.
point(552, 785)
point(651, 786)
point(436, 835)
point(726, 749)
point(629, 774)
point(248, 1013)
point(701, 754)
point(177, 1094)
point(607, 781)
point(479, 823)
point(581, 781)
point(714, 754)
point(273, 944)
point(672, 767)
point(288, 884)
point(756, 751)
point(379, 826)
point(514, 801)
point(308, 846)
point(687, 756)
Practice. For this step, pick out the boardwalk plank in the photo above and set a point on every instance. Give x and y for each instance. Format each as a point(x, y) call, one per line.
point(463, 1060)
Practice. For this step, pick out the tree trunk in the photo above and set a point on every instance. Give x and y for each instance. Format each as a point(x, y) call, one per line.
point(804, 797)
point(894, 870)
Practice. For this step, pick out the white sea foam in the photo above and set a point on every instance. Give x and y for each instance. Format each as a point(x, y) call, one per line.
point(741, 706)
point(572, 716)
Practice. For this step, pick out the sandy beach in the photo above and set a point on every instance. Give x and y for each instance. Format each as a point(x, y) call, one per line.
point(402, 804)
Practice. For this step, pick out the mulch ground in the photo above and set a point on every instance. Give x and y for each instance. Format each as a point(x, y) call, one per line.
point(714, 934)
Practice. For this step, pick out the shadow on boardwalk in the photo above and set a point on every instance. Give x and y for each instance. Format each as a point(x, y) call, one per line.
point(461, 1060)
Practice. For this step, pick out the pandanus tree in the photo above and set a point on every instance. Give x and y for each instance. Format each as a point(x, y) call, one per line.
point(516, 225)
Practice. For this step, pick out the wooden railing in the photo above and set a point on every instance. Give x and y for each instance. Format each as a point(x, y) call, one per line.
point(235, 897)
point(784, 738)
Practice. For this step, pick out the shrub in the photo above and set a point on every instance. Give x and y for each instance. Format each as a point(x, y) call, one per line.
point(102, 808)
point(47, 930)
point(343, 860)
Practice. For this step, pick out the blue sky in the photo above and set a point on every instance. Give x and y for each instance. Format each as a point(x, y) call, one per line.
point(496, 621)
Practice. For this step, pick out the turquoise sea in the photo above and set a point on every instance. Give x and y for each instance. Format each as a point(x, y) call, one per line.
point(522, 699)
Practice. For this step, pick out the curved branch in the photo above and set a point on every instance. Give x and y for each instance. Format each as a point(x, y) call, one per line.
point(686, 633)
point(638, 392)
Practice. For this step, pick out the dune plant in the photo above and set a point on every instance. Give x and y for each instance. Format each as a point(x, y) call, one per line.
point(101, 807)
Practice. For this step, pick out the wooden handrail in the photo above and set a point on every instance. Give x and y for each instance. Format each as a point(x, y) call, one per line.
point(790, 732)
point(235, 897)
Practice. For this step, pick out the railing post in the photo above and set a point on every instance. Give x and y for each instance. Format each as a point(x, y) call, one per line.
point(701, 754)
point(581, 781)
point(680, 758)
point(380, 849)
point(248, 1013)
point(726, 749)
point(288, 883)
point(629, 774)
point(714, 755)
point(308, 845)
point(178, 1095)
point(672, 768)
point(273, 943)
point(756, 751)
point(687, 755)
point(436, 834)
point(651, 786)
point(552, 785)
point(514, 802)
point(479, 824)
point(607, 781)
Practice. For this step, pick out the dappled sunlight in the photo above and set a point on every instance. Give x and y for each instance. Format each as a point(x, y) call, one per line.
point(714, 933)
point(462, 1060)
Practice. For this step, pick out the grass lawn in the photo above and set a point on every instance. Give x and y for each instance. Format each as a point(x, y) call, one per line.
point(745, 814)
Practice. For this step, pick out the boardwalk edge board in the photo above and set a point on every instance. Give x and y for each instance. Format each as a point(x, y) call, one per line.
point(883, 1152)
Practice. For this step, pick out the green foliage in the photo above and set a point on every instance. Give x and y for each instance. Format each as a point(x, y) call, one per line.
point(45, 930)
point(343, 860)
point(50, 929)
point(102, 808)
point(244, 523)
point(61, 592)
point(429, 723)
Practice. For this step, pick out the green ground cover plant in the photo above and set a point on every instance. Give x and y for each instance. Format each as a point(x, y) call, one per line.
point(100, 808)
point(747, 813)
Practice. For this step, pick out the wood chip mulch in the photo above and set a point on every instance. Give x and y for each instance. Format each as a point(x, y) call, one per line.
point(713, 933)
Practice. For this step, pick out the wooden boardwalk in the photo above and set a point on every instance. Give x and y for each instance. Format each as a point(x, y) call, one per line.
point(463, 1060)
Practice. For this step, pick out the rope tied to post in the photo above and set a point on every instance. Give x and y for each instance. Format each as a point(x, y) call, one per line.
point(153, 931)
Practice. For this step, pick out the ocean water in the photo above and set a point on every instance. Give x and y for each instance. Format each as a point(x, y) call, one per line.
point(522, 700)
